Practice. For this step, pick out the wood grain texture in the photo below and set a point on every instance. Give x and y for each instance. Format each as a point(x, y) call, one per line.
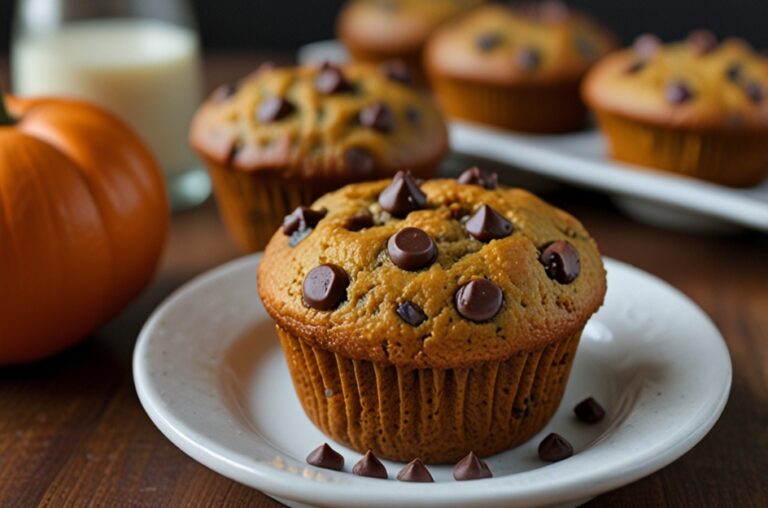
point(72, 432)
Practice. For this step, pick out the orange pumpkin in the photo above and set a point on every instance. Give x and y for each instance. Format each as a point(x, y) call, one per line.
point(83, 219)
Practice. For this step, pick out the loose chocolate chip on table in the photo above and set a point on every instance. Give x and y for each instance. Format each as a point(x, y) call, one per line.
point(411, 313)
point(476, 176)
point(361, 220)
point(561, 261)
point(488, 41)
point(702, 41)
point(326, 457)
point(360, 161)
point(402, 196)
point(377, 116)
point(479, 300)
point(554, 448)
point(487, 224)
point(325, 286)
point(678, 92)
point(302, 217)
point(331, 80)
point(734, 72)
point(396, 70)
point(415, 471)
point(646, 45)
point(274, 109)
point(411, 249)
point(754, 91)
point(370, 466)
point(636, 66)
point(471, 467)
point(589, 411)
point(528, 58)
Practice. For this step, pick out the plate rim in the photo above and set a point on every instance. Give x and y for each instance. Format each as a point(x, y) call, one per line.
point(271, 481)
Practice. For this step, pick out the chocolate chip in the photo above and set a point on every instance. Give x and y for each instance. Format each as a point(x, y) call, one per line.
point(678, 92)
point(487, 224)
point(397, 70)
point(411, 249)
point(585, 47)
point(370, 466)
point(734, 72)
point(377, 116)
point(589, 411)
point(415, 471)
point(528, 58)
point(297, 236)
point(402, 196)
point(646, 45)
point(325, 286)
point(479, 300)
point(301, 218)
point(471, 467)
point(326, 457)
point(361, 220)
point(411, 313)
point(274, 109)
point(413, 115)
point(636, 66)
point(360, 161)
point(754, 91)
point(554, 448)
point(331, 80)
point(488, 41)
point(553, 11)
point(561, 261)
point(223, 92)
point(702, 42)
point(476, 176)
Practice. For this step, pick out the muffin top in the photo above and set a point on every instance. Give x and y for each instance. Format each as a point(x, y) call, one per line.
point(441, 275)
point(357, 122)
point(696, 83)
point(528, 43)
point(391, 27)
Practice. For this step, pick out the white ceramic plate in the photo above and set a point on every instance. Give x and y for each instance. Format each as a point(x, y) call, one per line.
point(579, 159)
point(209, 372)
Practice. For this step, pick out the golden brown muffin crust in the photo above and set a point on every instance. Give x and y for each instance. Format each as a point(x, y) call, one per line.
point(394, 27)
point(500, 45)
point(536, 310)
point(726, 86)
point(314, 139)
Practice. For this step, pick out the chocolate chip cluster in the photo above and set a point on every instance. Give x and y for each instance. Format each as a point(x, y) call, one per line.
point(701, 43)
point(412, 249)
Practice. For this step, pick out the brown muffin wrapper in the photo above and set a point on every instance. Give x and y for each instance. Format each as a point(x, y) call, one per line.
point(733, 158)
point(438, 415)
point(535, 109)
point(253, 204)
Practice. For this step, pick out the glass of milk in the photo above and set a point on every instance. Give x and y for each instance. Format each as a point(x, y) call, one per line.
point(138, 58)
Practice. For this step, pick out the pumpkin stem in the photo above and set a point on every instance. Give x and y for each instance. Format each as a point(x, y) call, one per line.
point(5, 117)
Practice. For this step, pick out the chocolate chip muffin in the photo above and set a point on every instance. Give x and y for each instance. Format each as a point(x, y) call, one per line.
point(431, 320)
point(378, 31)
point(516, 67)
point(284, 136)
point(696, 107)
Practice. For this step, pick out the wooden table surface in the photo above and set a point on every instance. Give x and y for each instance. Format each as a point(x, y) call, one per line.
point(72, 430)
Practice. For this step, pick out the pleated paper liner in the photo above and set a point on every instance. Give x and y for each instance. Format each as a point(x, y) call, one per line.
point(537, 108)
point(438, 415)
point(736, 158)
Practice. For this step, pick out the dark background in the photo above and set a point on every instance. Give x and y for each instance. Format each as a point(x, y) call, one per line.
point(286, 24)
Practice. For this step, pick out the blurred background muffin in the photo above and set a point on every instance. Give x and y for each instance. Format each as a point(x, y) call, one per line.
point(516, 67)
point(381, 30)
point(695, 107)
point(284, 136)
